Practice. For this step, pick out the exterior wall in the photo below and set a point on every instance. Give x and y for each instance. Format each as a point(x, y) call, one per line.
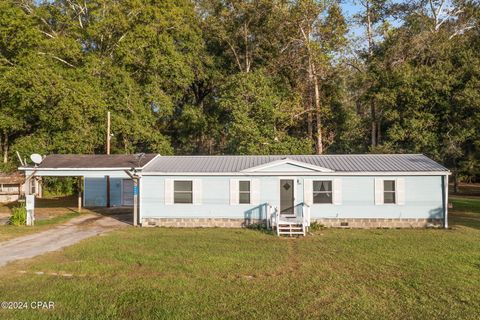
point(5, 198)
point(95, 192)
point(423, 200)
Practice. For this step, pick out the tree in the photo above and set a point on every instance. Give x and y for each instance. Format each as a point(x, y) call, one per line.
point(316, 32)
point(258, 117)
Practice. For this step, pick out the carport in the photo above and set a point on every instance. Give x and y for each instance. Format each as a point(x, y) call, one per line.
point(103, 180)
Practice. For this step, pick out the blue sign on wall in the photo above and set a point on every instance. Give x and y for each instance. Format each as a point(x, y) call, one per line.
point(135, 190)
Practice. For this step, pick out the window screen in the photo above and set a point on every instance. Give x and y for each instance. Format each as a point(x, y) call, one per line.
point(322, 191)
point(182, 192)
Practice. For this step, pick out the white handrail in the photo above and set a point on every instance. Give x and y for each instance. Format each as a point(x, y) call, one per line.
point(272, 216)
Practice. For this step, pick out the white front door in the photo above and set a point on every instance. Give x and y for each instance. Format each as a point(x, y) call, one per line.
point(127, 192)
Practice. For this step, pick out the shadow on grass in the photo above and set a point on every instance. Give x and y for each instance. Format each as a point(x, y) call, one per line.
point(260, 227)
point(465, 221)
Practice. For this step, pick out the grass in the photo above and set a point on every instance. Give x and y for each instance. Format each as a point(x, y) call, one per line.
point(49, 213)
point(9, 231)
point(231, 273)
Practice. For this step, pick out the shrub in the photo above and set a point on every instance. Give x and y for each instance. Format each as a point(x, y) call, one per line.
point(315, 226)
point(19, 215)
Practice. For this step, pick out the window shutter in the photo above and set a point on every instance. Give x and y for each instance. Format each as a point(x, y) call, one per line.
point(400, 191)
point(308, 191)
point(337, 191)
point(168, 191)
point(255, 191)
point(234, 191)
point(378, 191)
point(197, 191)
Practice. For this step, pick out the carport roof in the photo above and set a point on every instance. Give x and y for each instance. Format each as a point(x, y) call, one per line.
point(94, 161)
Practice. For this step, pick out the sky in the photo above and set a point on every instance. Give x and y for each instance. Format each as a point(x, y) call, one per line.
point(349, 8)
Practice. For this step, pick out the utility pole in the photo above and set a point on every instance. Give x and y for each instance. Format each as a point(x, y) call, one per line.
point(108, 132)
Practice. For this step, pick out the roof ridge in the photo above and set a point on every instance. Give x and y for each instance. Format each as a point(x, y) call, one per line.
point(292, 155)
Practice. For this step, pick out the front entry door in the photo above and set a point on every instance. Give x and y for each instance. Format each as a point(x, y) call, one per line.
point(127, 192)
point(287, 196)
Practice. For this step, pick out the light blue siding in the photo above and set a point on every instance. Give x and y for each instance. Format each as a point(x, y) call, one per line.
point(95, 192)
point(115, 192)
point(423, 198)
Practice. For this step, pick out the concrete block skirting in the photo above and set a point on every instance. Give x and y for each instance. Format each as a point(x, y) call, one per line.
point(380, 223)
point(327, 222)
point(198, 222)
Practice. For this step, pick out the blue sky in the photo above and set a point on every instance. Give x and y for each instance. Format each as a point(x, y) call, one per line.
point(349, 8)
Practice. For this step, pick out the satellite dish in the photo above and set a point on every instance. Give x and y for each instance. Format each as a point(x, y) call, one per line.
point(36, 158)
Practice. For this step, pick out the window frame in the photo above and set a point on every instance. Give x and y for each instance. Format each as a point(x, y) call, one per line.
point(183, 192)
point(249, 192)
point(325, 192)
point(395, 189)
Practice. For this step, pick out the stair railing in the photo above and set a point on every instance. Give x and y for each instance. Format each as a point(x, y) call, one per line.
point(273, 217)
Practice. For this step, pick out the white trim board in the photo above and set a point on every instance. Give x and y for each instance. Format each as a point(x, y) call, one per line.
point(287, 161)
point(300, 174)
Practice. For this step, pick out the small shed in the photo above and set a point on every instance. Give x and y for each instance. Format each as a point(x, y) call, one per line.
point(13, 186)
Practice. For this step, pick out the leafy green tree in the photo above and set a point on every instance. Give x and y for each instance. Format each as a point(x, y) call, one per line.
point(259, 117)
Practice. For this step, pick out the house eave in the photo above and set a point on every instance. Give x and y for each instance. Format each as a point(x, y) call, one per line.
point(296, 174)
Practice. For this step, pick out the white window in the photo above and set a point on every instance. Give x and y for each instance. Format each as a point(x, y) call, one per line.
point(389, 192)
point(322, 191)
point(244, 192)
point(33, 184)
point(182, 192)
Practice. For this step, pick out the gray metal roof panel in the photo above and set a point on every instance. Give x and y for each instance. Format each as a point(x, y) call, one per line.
point(340, 163)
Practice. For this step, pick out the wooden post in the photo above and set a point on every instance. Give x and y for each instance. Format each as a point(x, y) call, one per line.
point(108, 132)
point(135, 201)
point(80, 180)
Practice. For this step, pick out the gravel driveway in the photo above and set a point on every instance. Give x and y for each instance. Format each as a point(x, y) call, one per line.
point(71, 232)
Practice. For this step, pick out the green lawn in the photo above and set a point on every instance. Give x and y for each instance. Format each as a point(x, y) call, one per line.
point(222, 273)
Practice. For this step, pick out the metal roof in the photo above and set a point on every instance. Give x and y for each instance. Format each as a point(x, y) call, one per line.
point(339, 163)
point(94, 161)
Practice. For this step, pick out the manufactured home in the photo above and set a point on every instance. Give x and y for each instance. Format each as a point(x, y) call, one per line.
point(368, 190)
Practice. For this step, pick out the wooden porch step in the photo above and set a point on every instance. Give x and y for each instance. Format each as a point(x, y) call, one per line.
point(291, 233)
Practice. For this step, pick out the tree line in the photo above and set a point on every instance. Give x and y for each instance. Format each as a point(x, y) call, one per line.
point(242, 77)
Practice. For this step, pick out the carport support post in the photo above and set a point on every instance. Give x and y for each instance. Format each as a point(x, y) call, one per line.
point(80, 180)
point(108, 191)
point(135, 201)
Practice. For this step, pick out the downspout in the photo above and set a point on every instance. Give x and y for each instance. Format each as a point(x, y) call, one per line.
point(140, 199)
point(445, 199)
